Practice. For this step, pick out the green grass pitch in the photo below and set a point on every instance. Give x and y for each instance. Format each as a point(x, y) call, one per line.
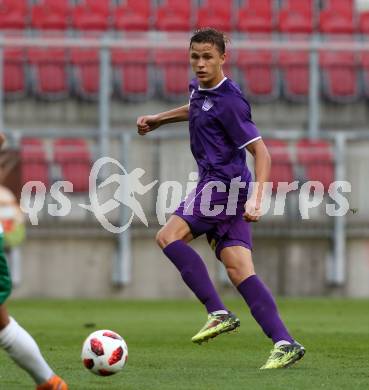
point(161, 356)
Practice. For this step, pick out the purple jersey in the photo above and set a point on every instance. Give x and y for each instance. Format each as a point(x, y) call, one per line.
point(220, 127)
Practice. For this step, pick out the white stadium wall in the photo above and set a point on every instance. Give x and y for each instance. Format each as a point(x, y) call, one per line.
point(80, 268)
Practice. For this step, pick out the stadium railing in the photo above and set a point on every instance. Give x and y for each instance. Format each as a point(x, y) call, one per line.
point(291, 16)
point(95, 56)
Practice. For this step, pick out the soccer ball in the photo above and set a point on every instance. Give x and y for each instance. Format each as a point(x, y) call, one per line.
point(104, 353)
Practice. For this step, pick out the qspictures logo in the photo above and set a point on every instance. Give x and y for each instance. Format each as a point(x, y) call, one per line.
point(129, 185)
point(196, 196)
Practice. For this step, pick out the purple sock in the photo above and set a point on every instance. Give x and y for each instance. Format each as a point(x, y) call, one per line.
point(194, 274)
point(263, 308)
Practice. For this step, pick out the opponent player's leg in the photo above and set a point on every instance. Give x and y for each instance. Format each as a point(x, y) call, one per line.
point(173, 239)
point(240, 268)
point(4, 317)
point(22, 348)
point(19, 345)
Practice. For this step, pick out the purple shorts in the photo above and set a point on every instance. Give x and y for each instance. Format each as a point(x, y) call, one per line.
point(227, 228)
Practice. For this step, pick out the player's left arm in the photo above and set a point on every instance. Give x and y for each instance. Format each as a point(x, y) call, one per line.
point(237, 120)
point(262, 163)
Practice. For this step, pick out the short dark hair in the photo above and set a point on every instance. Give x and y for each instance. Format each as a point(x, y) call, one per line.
point(210, 35)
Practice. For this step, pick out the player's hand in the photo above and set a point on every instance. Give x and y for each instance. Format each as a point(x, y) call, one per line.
point(147, 123)
point(2, 140)
point(252, 210)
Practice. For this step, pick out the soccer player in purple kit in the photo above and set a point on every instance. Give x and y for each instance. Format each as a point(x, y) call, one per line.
point(221, 129)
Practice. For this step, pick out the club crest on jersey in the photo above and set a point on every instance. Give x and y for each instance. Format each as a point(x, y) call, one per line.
point(206, 106)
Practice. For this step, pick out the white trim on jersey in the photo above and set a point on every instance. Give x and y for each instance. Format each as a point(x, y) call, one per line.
point(1, 228)
point(189, 100)
point(217, 86)
point(249, 142)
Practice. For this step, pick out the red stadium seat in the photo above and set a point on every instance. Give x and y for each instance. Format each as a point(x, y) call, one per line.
point(50, 76)
point(174, 66)
point(174, 16)
point(134, 15)
point(74, 158)
point(316, 158)
point(295, 74)
point(14, 80)
point(296, 16)
point(86, 73)
point(281, 169)
point(132, 73)
point(337, 17)
point(340, 76)
point(13, 14)
point(91, 15)
point(217, 13)
point(258, 74)
point(364, 22)
point(51, 15)
point(34, 162)
point(255, 16)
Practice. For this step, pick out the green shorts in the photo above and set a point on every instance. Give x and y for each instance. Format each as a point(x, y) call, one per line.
point(5, 279)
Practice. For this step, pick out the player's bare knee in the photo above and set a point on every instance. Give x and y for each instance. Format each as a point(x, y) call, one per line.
point(159, 238)
point(238, 272)
point(233, 273)
point(164, 238)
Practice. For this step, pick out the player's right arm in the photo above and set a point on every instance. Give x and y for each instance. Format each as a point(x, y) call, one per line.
point(149, 123)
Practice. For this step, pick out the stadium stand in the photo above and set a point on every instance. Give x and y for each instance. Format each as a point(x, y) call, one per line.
point(49, 73)
point(316, 157)
point(364, 22)
point(258, 74)
point(281, 169)
point(74, 158)
point(85, 70)
point(296, 16)
point(340, 76)
point(174, 16)
point(265, 75)
point(300, 252)
point(175, 75)
point(132, 74)
point(252, 16)
point(255, 16)
point(91, 15)
point(13, 14)
point(51, 15)
point(219, 12)
point(294, 68)
point(337, 17)
point(14, 78)
point(133, 15)
point(33, 161)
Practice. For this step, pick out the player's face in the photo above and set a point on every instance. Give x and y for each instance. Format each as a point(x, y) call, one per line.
point(206, 62)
